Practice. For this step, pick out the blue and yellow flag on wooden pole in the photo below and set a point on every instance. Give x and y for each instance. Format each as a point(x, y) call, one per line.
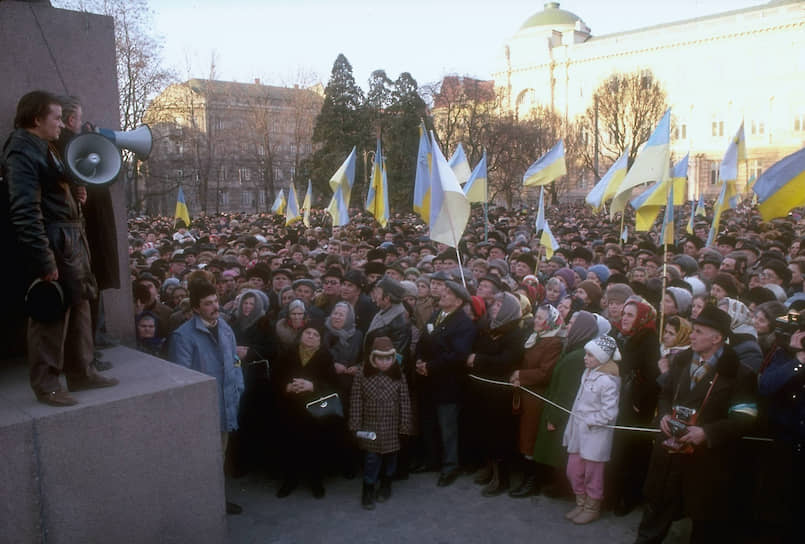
point(181, 208)
point(292, 213)
point(377, 201)
point(548, 167)
point(341, 184)
point(306, 204)
point(422, 179)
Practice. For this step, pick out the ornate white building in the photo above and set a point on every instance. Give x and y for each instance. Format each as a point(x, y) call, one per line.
point(718, 70)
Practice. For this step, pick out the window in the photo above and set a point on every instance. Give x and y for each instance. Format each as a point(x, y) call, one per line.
point(718, 128)
point(754, 169)
point(293, 148)
point(713, 172)
point(244, 174)
point(261, 150)
point(246, 198)
point(758, 128)
point(293, 171)
point(277, 173)
point(222, 173)
point(219, 124)
point(799, 123)
point(224, 196)
point(179, 174)
point(261, 197)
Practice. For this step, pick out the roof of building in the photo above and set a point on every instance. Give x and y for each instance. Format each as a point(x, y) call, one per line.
point(234, 88)
point(551, 16)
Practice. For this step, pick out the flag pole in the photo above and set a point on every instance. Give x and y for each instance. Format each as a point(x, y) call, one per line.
point(665, 260)
point(620, 232)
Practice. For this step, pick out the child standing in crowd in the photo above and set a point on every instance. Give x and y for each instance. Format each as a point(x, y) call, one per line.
point(588, 442)
point(380, 404)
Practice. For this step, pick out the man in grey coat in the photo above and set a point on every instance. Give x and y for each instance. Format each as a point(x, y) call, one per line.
point(207, 344)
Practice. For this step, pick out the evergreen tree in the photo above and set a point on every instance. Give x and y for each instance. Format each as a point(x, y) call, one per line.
point(404, 115)
point(339, 126)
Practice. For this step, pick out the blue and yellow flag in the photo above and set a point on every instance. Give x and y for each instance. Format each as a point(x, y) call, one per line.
point(292, 214)
point(650, 165)
point(781, 188)
point(181, 208)
point(736, 152)
point(548, 241)
point(722, 203)
point(701, 209)
point(540, 222)
point(689, 227)
point(279, 203)
point(648, 204)
point(476, 187)
point(306, 204)
point(341, 184)
point(450, 209)
point(422, 179)
point(548, 167)
point(667, 236)
point(377, 201)
point(608, 185)
point(459, 164)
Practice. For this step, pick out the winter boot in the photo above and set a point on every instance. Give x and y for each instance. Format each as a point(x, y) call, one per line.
point(591, 512)
point(368, 496)
point(580, 500)
point(384, 492)
point(499, 482)
point(530, 484)
point(484, 475)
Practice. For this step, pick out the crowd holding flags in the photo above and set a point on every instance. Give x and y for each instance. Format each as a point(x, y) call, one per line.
point(377, 201)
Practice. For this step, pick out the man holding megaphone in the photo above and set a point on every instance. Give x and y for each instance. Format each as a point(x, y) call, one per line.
point(52, 246)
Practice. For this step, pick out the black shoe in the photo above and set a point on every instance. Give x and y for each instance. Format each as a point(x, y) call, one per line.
point(447, 478)
point(318, 489)
point(384, 492)
point(423, 468)
point(529, 486)
point(101, 366)
point(233, 509)
point(368, 496)
point(623, 508)
point(286, 488)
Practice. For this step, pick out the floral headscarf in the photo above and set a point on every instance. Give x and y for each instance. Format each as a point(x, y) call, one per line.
point(683, 329)
point(553, 325)
point(740, 316)
point(646, 316)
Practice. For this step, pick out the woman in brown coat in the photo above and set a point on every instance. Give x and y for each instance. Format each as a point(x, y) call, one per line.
point(542, 350)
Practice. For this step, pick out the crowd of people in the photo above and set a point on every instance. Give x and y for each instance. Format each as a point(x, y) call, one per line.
point(539, 375)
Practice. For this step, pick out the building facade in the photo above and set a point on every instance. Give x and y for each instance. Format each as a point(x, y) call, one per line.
point(744, 65)
point(231, 146)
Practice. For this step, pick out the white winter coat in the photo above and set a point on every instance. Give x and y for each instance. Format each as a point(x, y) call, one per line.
point(596, 404)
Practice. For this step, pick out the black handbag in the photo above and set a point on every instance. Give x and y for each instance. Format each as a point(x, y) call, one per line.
point(328, 406)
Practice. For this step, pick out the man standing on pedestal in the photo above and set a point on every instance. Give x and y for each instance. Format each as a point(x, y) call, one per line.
point(52, 248)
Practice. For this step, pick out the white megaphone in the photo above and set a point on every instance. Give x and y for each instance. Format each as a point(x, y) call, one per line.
point(92, 159)
point(138, 141)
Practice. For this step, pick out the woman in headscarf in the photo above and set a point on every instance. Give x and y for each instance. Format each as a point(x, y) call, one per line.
point(541, 352)
point(290, 327)
point(495, 356)
point(424, 302)
point(555, 291)
point(675, 338)
point(568, 277)
point(343, 340)
point(763, 320)
point(302, 373)
point(640, 349)
point(743, 336)
point(562, 389)
point(250, 306)
point(147, 339)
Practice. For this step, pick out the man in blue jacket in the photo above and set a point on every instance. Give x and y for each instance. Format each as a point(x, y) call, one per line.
point(207, 344)
point(441, 357)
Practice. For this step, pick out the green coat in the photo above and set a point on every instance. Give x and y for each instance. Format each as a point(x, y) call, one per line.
point(562, 390)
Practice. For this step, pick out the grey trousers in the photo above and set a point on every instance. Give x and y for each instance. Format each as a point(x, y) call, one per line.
point(60, 346)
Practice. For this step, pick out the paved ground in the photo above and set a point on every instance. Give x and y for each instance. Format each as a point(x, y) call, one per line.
point(417, 512)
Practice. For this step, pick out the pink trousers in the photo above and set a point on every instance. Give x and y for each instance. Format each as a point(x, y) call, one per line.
point(586, 477)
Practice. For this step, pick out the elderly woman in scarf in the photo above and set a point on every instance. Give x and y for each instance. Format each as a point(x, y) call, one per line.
point(562, 388)
point(250, 306)
point(541, 352)
point(290, 327)
point(640, 349)
point(304, 372)
point(495, 356)
point(743, 336)
point(343, 340)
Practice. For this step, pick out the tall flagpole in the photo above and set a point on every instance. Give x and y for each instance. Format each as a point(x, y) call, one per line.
point(620, 233)
point(668, 202)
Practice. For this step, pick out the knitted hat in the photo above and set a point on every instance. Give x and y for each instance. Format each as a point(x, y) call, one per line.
point(603, 348)
point(601, 271)
point(682, 298)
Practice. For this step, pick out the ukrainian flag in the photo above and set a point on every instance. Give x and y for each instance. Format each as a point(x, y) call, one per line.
point(781, 188)
point(647, 205)
point(736, 151)
point(476, 187)
point(377, 201)
point(548, 241)
point(292, 214)
point(722, 203)
point(668, 227)
point(279, 203)
point(450, 209)
point(701, 210)
point(306, 204)
point(341, 184)
point(547, 168)
point(650, 165)
point(459, 164)
point(422, 179)
point(689, 227)
point(608, 185)
point(181, 208)
point(540, 222)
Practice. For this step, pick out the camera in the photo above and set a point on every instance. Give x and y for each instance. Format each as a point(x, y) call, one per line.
point(681, 418)
point(787, 325)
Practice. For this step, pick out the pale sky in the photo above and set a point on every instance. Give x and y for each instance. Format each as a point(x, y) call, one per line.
point(277, 39)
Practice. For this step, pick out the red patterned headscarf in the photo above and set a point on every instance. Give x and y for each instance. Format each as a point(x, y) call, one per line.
point(646, 316)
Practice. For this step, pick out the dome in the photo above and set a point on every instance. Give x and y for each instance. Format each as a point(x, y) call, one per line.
point(551, 16)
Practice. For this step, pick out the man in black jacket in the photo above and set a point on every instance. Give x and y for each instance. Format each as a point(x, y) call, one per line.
point(693, 463)
point(45, 219)
point(441, 357)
